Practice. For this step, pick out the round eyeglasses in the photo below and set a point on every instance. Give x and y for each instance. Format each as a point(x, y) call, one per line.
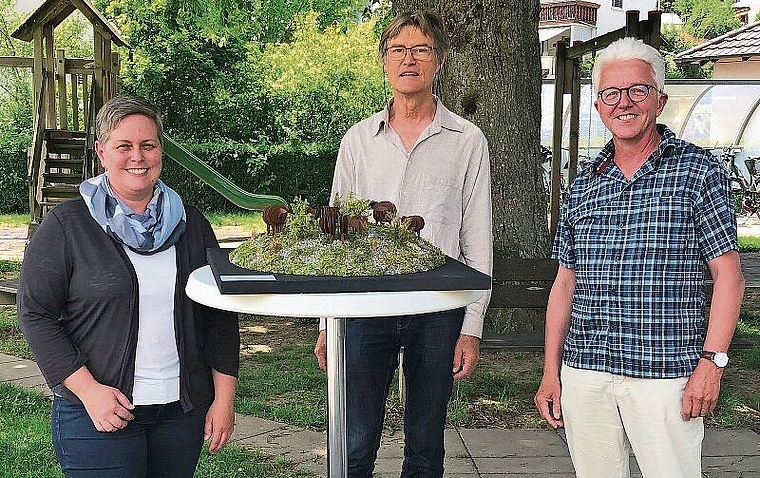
point(636, 93)
point(419, 52)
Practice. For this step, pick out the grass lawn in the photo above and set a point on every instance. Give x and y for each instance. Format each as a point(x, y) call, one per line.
point(249, 220)
point(25, 446)
point(9, 269)
point(279, 381)
point(285, 386)
point(26, 449)
point(14, 220)
point(749, 244)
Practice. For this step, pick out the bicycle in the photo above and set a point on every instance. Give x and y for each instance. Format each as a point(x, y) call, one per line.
point(745, 190)
point(564, 184)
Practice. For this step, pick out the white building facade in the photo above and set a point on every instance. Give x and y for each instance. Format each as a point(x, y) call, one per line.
point(578, 20)
point(611, 13)
point(747, 10)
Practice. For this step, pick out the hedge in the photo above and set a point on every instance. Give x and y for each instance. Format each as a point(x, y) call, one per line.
point(283, 170)
point(14, 196)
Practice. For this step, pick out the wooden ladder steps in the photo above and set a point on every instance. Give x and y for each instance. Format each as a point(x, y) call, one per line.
point(66, 146)
point(67, 178)
point(58, 190)
point(72, 164)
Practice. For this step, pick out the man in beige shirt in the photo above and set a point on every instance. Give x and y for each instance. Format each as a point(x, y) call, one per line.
point(429, 162)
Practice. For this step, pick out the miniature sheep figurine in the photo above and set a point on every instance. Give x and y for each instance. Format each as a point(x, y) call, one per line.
point(414, 223)
point(275, 218)
point(382, 211)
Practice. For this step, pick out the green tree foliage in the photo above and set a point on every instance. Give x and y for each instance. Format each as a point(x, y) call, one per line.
point(199, 82)
point(15, 88)
point(703, 20)
point(263, 89)
point(676, 40)
point(222, 84)
point(706, 19)
point(326, 80)
point(72, 35)
point(261, 21)
point(683, 8)
point(289, 88)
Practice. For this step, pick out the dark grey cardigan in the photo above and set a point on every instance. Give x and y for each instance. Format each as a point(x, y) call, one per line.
point(78, 305)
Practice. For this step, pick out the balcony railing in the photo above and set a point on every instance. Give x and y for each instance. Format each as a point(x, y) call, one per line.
point(571, 11)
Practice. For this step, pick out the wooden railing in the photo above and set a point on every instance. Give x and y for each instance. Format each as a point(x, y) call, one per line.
point(35, 159)
point(68, 106)
point(68, 82)
point(571, 11)
point(90, 166)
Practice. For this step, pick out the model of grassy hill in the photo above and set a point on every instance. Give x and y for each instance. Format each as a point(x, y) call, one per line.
point(339, 241)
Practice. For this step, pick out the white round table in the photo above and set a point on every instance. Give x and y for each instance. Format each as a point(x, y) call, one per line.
point(336, 307)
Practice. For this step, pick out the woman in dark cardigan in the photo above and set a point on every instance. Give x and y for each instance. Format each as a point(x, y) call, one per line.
point(141, 375)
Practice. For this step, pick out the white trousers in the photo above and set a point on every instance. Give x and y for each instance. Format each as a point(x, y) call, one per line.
point(607, 415)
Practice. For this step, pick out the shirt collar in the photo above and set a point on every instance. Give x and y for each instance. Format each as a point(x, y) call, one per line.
point(666, 146)
point(668, 141)
point(443, 119)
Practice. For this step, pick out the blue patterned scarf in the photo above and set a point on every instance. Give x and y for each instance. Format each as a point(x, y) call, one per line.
point(156, 230)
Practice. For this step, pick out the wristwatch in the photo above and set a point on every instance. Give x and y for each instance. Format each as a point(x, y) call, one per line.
point(720, 359)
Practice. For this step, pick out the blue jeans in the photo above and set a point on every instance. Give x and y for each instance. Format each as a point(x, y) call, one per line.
point(372, 347)
point(162, 442)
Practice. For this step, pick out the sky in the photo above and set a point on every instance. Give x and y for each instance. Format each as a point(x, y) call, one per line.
point(27, 5)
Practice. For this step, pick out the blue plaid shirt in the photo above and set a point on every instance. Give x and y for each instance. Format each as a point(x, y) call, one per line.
point(639, 250)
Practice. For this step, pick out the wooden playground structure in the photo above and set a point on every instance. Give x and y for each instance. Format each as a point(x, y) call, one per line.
point(67, 93)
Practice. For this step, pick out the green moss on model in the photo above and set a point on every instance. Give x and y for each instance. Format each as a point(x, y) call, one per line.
point(302, 249)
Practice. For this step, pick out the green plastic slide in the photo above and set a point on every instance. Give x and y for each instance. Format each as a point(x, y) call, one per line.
point(222, 185)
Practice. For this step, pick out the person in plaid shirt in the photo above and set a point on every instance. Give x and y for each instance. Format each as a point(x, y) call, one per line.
point(630, 363)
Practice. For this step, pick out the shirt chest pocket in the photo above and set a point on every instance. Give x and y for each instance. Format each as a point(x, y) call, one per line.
point(592, 225)
point(437, 198)
point(661, 224)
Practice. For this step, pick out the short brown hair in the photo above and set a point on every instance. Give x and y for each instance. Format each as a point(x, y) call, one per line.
point(428, 21)
point(118, 108)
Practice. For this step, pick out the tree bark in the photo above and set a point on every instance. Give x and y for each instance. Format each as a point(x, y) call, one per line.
point(492, 77)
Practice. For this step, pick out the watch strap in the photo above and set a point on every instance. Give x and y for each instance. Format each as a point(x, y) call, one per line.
point(706, 354)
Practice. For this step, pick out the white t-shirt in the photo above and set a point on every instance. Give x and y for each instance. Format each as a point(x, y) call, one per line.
point(157, 361)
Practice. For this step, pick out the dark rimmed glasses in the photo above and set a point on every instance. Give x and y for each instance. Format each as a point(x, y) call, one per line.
point(636, 93)
point(419, 52)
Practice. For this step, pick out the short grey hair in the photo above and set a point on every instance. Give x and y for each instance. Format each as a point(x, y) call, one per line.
point(118, 108)
point(429, 23)
point(629, 49)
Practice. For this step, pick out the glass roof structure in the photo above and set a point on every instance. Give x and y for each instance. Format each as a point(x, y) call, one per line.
point(714, 114)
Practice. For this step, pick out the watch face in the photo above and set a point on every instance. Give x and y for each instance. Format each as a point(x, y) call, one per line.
point(720, 359)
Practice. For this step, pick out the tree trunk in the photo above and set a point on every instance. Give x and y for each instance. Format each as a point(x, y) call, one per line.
point(492, 77)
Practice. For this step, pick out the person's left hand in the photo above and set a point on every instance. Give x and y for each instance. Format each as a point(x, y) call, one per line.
point(466, 356)
point(220, 423)
point(701, 393)
point(320, 350)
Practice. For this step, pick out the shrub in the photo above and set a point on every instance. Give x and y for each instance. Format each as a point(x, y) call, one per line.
point(285, 170)
point(13, 185)
point(303, 170)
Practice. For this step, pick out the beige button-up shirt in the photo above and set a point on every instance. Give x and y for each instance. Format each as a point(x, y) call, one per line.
point(445, 178)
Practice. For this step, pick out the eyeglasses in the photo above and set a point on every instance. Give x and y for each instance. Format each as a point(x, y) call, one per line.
point(419, 52)
point(636, 93)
